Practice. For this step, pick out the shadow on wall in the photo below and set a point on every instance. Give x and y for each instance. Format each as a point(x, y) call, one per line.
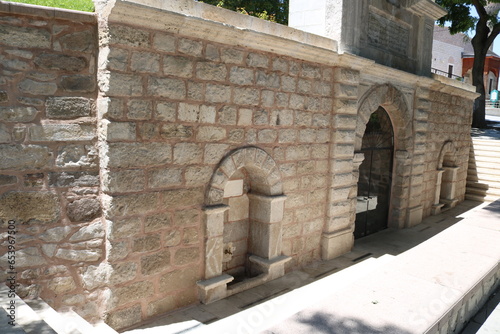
point(321, 322)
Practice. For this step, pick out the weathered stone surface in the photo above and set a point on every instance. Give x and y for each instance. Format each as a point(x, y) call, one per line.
point(123, 85)
point(167, 87)
point(34, 180)
point(29, 207)
point(128, 36)
point(4, 134)
point(165, 177)
point(76, 156)
point(191, 235)
point(190, 47)
point(124, 155)
point(84, 209)
point(124, 181)
point(178, 66)
point(49, 249)
point(121, 131)
point(78, 41)
point(37, 88)
point(184, 256)
point(7, 179)
point(24, 37)
point(187, 153)
point(257, 60)
point(165, 111)
point(131, 292)
point(214, 153)
point(179, 279)
point(74, 179)
point(4, 97)
point(164, 42)
point(161, 306)
point(210, 134)
point(123, 228)
point(198, 176)
point(68, 107)
point(146, 244)
point(56, 234)
point(105, 273)
point(61, 285)
point(28, 257)
point(211, 71)
point(176, 131)
point(140, 109)
point(132, 204)
point(17, 114)
point(62, 132)
point(84, 255)
point(78, 83)
point(92, 231)
point(124, 318)
point(60, 62)
point(157, 222)
point(152, 264)
point(145, 62)
point(172, 238)
point(182, 197)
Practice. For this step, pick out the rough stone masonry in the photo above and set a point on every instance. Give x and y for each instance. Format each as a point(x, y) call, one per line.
point(161, 153)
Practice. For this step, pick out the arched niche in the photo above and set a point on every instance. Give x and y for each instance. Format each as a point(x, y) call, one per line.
point(245, 177)
point(446, 179)
point(394, 103)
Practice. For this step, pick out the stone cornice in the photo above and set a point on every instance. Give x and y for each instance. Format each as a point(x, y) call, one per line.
point(426, 8)
point(47, 12)
point(190, 18)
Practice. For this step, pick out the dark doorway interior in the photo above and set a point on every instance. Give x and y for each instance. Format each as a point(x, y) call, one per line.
point(375, 175)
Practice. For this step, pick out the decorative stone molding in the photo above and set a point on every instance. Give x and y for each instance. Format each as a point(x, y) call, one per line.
point(266, 206)
point(394, 102)
point(446, 179)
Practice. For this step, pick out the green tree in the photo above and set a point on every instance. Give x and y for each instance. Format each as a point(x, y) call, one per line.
point(271, 10)
point(486, 28)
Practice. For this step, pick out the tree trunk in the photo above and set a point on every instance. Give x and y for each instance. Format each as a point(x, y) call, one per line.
point(479, 111)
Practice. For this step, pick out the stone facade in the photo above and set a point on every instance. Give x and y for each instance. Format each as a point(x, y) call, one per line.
point(195, 159)
point(49, 157)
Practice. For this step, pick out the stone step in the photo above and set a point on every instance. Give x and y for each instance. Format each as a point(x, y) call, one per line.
point(485, 199)
point(483, 192)
point(483, 164)
point(479, 154)
point(492, 180)
point(37, 317)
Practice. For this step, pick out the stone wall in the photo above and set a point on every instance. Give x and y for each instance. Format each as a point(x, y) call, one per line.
point(49, 182)
point(132, 159)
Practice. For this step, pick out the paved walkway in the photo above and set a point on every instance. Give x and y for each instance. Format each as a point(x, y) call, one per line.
point(389, 286)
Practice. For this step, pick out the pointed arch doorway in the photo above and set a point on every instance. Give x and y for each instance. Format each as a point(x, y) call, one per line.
point(375, 175)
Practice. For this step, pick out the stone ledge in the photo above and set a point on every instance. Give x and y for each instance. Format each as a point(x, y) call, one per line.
point(47, 12)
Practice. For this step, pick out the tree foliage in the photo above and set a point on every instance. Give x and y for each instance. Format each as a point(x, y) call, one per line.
point(271, 10)
point(486, 28)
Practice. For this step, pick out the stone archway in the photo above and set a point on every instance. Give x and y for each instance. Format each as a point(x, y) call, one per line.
point(446, 179)
point(394, 103)
point(264, 189)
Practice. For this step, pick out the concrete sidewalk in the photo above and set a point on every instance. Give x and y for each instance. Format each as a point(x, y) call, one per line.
point(427, 279)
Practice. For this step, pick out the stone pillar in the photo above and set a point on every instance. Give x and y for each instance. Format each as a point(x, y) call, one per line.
point(337, 237)
point(266, 214)
point(214, 287)
point(436, 207)
point(417, 182)
point(449, 186)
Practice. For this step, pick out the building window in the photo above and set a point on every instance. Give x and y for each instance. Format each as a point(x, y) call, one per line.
point(450, 71)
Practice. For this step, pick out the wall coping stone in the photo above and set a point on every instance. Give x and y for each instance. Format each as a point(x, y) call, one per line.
point(47, 12)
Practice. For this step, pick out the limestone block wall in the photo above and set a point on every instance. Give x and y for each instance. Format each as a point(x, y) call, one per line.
point(175, 106)
point(448, 143)
point(122, 138)
point(49, 167)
